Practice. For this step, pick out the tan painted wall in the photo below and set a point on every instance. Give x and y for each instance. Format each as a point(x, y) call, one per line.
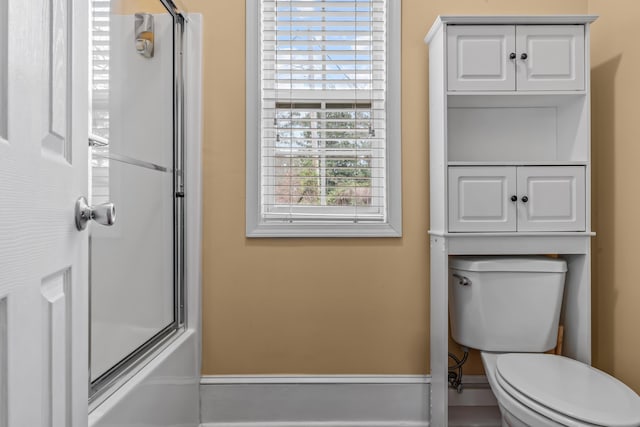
point(129, 7)
point(271, 306)
point(317, 306)
point(615, 143)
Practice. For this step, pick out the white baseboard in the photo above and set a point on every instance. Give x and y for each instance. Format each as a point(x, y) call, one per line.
point(476, 392)
point(320, 424)
point(315, 401)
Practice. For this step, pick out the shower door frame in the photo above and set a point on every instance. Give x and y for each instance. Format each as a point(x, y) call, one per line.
point(108, 382)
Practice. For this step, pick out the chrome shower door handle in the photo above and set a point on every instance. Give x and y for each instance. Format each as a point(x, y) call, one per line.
point(104, 213)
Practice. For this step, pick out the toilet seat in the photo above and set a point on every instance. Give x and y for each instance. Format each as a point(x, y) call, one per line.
point(566, 391)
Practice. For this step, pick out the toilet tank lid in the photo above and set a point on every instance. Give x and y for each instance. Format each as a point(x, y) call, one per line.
point(533, 264)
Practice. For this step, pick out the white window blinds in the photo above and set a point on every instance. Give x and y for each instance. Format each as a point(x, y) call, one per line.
point(323, 123)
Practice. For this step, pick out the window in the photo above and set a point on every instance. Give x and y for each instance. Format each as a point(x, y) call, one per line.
point(323, 118)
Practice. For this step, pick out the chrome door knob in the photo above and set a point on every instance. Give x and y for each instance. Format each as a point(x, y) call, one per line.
point(104, 213)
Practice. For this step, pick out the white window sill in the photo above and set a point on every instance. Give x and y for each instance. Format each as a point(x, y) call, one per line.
point(324, 230)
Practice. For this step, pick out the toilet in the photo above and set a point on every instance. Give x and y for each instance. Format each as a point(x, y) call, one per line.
point(509, 309)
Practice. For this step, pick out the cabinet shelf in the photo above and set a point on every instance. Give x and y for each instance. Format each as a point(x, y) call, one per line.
point(515, 93)
point(513, 99)
point(518, 163)
point(542, 243)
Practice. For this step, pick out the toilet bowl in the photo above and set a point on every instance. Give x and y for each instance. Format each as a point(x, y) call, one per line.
point(508, 308)
point(548, 390)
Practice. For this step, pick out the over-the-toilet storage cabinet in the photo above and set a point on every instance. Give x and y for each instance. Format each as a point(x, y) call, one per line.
point(509, 159)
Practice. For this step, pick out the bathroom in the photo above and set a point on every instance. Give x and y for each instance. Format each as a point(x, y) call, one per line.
point(288, 325)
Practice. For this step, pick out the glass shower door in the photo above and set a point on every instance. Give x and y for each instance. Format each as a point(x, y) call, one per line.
point(133, 279)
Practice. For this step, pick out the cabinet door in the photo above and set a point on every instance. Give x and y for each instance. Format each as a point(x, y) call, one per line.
point(478, 57)
point(550, 57)
point(480, 198)
point(551, 198)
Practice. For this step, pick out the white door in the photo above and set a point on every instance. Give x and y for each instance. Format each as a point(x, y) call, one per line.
point(550, 57)
point(482, 198)
point(43, 170)
point(551, 198)
point(481, 57)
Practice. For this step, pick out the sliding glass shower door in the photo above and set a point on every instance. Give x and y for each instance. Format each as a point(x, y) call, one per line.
point(135, 158)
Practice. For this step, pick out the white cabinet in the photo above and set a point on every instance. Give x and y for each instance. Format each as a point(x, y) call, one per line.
point(509, 161)
point(510, 198)
point(551, 198)
point(554, 57)
point(479, 57)
point(515, 57)
point(480, 199)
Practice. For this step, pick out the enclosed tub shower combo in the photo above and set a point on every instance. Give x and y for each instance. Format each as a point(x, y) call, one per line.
point(144, 268)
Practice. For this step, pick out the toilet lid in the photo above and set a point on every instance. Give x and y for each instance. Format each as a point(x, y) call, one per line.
point(570, 388)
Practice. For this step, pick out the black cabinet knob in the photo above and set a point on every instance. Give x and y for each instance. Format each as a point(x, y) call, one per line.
point(524, 56)
point(525, 199)
point(514, 198)
point(512, 55)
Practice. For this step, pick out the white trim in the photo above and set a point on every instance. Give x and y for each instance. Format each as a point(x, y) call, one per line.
point(193, 177)
point(394, 117)
point(506, 20)
point(517, 19)
point(252, 116)
point(321, 424)
point(315, 400)
point(476, 392)
point(315, 379)
point(319, 230)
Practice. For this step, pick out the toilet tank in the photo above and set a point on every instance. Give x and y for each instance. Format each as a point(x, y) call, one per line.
point(509, 304)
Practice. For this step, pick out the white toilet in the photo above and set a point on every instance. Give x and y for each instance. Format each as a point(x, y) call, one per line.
point(508, 308)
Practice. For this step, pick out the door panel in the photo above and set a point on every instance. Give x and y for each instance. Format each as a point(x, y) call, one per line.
point(480, 199)
point(555, 57)
point(479, 57)
point(43, 282)
point(555, 198)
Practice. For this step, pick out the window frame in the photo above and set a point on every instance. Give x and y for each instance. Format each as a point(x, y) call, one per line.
point(255, 226)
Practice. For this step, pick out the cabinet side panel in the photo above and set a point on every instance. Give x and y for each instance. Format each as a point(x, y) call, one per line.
point(439, 318)
point(437, 133)
point(577, 307)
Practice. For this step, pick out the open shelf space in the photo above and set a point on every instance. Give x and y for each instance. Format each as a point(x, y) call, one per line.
point(519, 163)
point(518, 130)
